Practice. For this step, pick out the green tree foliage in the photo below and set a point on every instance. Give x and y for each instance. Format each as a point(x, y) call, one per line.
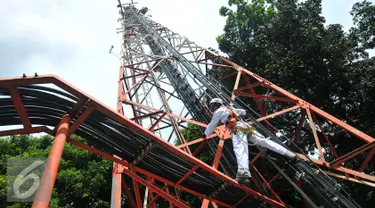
point(83, 180)
point(364, 19)
point(286, 42)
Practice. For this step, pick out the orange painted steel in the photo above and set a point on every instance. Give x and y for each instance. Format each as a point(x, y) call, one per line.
point(312, 125)
point(44, 193)
point(306, 109)
point(137, 194)
point(368, 158)
point(218, 153)
point(24, 131)
point(350, 179)
point(128, 194)
point(187, 174)
point(266, 183)
point(116, 186)
point(80, 120)
point(20, 108)
point(138, 170)
point(352, 154)
point(152, 202)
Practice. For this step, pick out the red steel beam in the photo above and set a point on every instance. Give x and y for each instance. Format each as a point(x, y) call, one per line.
point(252, 91)
point(215, 165)
point(238, 78)
point(137, 69)
point(277, 113)
point(128, 194)
point(274, 178)
point(78, 107)
point(116, 172)
point(241, 200)
point(20, 108)
point(21, 81)
point(133, 76)
point(325, 136)
point(248, 86)
point(352, 154)
point(157, 121)
point(205, 203)
point(196, 141)
point(80, 120)
point(140, 170)
point(284, 99)
point(116, 186)
point(199, 55)
point(24, 131)
point(157, 197)
point(266, 183)
point(171, 204)
point(200, 147)
point(262, 110)
point(340, 168)
point(44, 193)
point(368, 158)
point(125, 121)
point(169, 114)
point(137, 194)
point(153, 117)
point(170, 136)
point(155, 189)
point(187, 174)
point(350, 129)
point(147, 115)
point(151, 197)
point(229, 75)
point(140, 80)
point(218, 153)
point(350, 179)
point(338, 122)
point(312, 125)
point(182, 188)
point(212, 64)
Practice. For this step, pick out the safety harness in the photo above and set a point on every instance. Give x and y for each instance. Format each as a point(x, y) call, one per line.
point(231, 124)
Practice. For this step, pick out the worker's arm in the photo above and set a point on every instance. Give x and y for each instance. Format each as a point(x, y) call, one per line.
point(213, 124)
point(241, 112)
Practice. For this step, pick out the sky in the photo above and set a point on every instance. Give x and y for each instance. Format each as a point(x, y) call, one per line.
point(72, 38)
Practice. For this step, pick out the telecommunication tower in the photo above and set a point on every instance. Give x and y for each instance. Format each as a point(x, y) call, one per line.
point(164, 83)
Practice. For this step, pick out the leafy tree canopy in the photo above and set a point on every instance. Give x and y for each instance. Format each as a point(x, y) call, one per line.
point(286, 42)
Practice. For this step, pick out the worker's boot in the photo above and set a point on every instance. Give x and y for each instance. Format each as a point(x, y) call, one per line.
point(243, 176)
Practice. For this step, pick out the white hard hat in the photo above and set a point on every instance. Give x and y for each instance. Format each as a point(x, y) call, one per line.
point(217, 100)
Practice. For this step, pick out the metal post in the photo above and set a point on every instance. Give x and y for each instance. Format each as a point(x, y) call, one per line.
point(43, 195)
point(116, 186)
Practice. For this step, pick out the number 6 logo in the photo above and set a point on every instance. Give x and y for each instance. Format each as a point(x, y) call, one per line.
point(21, 179)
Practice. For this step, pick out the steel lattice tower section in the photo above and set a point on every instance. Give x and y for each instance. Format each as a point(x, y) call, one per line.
point(164, 84)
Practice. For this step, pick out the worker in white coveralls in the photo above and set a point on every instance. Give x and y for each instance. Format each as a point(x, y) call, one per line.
point(240, 132)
